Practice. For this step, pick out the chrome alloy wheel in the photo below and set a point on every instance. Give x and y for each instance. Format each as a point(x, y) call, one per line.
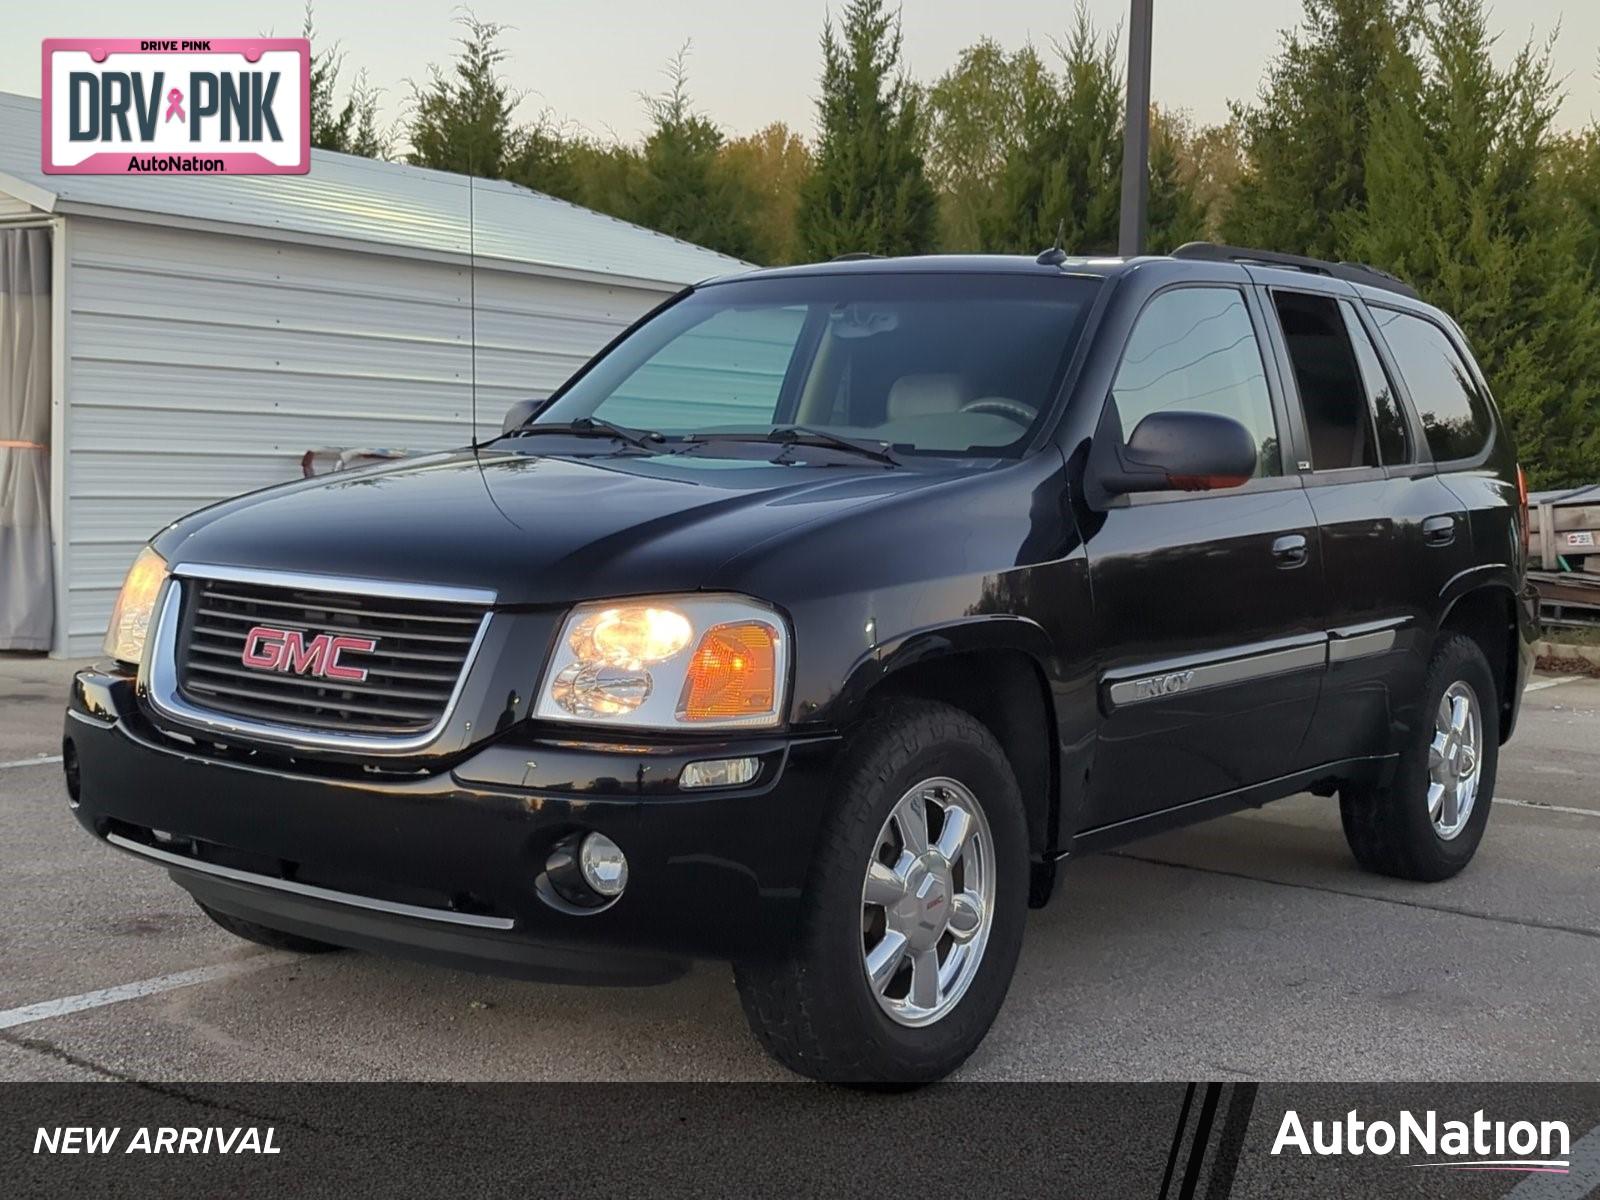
point(927, 903)
point(1455, 760)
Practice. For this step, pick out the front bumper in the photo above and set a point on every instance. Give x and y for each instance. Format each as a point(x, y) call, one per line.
point(445, 865)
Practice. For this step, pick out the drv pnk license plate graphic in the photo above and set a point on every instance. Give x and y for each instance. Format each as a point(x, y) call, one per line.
point(168, 106)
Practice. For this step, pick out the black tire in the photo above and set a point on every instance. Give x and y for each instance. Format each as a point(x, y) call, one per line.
point(812, 1007)
point(263, 936)
point(1388, 828)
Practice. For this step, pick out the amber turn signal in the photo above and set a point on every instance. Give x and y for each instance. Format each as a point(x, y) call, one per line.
point(733, 673)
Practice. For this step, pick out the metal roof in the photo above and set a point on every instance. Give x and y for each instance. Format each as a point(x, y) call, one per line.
point(367, 204)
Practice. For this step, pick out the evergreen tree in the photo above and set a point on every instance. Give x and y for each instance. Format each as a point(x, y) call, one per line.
point(1176, 214)
point(869, 191)
point(681, 186)
point(461, 120)
point(351, 127)
point(1460, 204)
point(1064, 170)
point(1306, 136)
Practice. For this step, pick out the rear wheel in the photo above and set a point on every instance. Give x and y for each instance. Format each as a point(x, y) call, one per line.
point(1427, 822)
point(913, 913)
point(263, 936)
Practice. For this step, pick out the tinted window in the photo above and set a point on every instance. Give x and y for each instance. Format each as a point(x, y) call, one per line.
point(1394, 438)
point(944, 364)
point(1454, 410)
point(1194, 350)
point(1332, 395)
point(727, 370)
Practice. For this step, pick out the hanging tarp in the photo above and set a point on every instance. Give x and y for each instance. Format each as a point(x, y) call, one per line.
point(27, 598)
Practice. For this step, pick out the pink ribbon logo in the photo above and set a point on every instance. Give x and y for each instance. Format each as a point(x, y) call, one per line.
point(175, 105)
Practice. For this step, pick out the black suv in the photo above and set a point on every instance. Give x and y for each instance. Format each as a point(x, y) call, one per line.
point(820, 617)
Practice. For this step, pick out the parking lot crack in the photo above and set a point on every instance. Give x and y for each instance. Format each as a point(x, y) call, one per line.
point(1449, 909)
point(49, 1049)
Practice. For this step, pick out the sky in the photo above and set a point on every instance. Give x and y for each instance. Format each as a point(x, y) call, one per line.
point(750, 63)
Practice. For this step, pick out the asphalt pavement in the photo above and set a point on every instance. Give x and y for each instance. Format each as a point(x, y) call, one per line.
point(1248, 947)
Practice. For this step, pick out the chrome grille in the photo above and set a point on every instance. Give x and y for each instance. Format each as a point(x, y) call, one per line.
point(422, 649)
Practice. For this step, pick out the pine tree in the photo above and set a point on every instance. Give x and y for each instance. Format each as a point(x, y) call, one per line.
point(1306, 136)
point(1064, 171)
point(461, 120)
point(351, 127)
point(1176, 214)
point(1459, 202)
point(681, 186)
point(869, 191)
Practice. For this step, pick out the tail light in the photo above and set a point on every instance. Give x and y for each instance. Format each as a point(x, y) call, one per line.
point(1522, 506)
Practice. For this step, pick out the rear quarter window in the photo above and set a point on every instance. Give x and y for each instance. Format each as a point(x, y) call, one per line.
point(1453, 407)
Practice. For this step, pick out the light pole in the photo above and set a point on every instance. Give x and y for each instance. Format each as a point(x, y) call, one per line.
point(1136, 132)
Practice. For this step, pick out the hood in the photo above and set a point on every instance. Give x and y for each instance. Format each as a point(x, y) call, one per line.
point(535, 529)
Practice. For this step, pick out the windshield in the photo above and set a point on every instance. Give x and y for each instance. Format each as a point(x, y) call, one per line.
point(954, 364)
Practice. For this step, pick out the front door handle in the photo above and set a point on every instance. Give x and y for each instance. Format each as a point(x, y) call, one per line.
point(1439, 531)
point(1290, 550)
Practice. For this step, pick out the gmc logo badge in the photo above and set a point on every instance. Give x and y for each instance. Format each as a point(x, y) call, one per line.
point(288, 651)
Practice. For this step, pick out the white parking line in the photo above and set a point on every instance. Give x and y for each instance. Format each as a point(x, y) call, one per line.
point(42, 760)
point(1537, 807)
point(46, 1009)
point(1544, 683)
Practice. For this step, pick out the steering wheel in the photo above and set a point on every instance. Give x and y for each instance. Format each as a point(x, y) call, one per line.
point(1000, 406)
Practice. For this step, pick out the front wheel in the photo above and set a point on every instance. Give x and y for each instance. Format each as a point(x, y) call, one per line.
point(913, 913)
point(1427, 822)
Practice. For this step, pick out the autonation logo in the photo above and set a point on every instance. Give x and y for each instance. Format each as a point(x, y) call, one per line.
point(1478, 1144)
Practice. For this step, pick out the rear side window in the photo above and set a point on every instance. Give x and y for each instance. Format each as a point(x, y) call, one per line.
point(1194, 349)
point(1394, 439)
point(1333, 396)
point(1453, 408)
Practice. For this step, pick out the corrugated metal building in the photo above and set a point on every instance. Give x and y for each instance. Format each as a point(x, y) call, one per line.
point(208, 331)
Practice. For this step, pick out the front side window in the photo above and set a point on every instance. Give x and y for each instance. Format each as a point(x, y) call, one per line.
point(947, 364)
point(1194, 349)
point(1453, 408)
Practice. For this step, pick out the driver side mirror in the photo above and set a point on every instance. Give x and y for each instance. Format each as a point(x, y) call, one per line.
point(1183, 451)
point(522, 412)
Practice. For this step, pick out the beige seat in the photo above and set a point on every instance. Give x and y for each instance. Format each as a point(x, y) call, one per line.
point(927, 395)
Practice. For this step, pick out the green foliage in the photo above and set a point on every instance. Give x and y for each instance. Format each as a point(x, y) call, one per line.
point(681, 186)
point(1306, 136)
point(1064, 169)
point(869, 191)
point(1176, 214)
point(975, 118)
point(774, 164)
point(351, 127)
point(461, 118)
point(1459, 203)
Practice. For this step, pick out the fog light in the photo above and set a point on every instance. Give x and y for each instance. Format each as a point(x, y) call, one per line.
point(719, 772)
point(604, 866)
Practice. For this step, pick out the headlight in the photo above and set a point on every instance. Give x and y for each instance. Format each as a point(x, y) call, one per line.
point(704, 662)
point(130, 616)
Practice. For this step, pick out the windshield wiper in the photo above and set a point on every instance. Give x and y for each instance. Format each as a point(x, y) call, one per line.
point(807, 435)
point(644, 439)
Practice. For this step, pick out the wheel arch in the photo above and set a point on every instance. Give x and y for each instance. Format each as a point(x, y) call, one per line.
point(1487, 613)
point(995, 669)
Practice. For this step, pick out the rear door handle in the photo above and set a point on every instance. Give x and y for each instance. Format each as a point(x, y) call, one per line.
point(1439, 531)
point(1290, 550)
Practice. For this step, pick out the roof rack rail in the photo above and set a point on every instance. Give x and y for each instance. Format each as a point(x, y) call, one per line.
point(1351, 272)
point(854, 256)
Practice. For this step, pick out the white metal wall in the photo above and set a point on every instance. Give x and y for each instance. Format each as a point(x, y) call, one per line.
point(198, 366)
